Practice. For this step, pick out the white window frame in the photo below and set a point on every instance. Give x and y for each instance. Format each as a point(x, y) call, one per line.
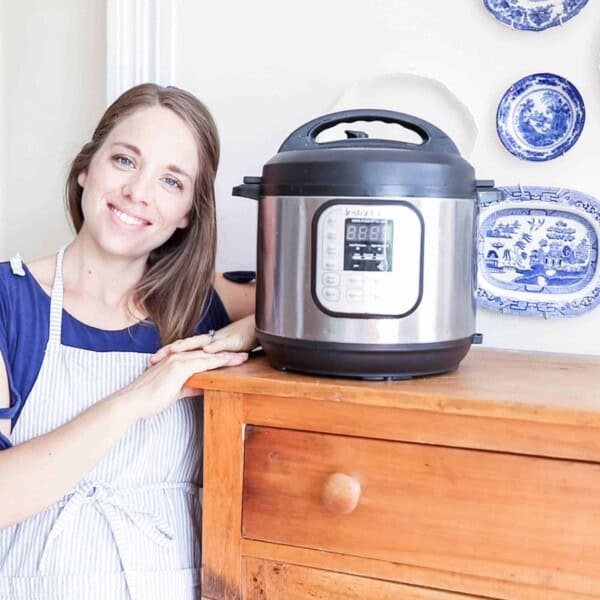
point(140, 44)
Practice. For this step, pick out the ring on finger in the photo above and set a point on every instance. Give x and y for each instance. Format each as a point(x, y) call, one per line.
point(211, 335)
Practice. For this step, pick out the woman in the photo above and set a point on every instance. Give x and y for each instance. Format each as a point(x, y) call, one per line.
point(101, 470)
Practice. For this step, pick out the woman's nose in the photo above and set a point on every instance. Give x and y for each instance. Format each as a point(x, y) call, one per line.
point(137, 191)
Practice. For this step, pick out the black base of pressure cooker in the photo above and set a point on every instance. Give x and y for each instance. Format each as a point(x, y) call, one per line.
point(363, 361)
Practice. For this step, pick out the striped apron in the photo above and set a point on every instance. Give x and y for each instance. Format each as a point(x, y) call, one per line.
point(132, 527)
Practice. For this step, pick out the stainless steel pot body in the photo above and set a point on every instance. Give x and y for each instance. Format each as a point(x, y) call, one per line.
point(287, 307)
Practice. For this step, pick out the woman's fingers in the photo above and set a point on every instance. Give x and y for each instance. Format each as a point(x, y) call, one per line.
point(196, 361)
point(225, 343)
point(222, 359)
point(186, 392)
point(191, 343)
point(208, 362)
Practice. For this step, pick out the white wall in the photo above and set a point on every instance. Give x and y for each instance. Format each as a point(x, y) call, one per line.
point(264, 68)
point(52, 85)
point(267, 66)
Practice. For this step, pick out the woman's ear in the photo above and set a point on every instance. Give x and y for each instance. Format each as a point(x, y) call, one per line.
point(82, 178)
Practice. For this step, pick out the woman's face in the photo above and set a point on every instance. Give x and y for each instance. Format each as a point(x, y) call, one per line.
point(139, 186)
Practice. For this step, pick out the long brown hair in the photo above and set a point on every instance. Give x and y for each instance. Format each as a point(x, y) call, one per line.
point(175, 287)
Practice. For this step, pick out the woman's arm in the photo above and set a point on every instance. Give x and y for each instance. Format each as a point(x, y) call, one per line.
point(239, 335)
point(37, 473)
point(239, 298)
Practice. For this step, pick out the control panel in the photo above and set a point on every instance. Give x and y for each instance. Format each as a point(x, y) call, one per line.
point(368, 258)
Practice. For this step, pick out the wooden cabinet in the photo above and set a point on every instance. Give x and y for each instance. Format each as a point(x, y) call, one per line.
point(482, 483)
point(267, 579)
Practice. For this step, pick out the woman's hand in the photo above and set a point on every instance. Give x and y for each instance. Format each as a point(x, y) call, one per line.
point(162, 384)
point(235, 337)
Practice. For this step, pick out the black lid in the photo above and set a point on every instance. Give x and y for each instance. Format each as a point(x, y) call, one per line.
point(362, 166)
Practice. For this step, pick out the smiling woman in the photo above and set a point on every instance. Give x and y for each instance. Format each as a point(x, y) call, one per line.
point(133, 200)
point(128, 167)
point(97, 343)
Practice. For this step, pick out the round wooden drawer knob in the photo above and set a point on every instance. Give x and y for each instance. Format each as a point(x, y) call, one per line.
point(341, 493)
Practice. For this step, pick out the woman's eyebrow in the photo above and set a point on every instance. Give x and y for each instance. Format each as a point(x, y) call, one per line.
point(131, 147)
point(179, 171)
point(138, 152)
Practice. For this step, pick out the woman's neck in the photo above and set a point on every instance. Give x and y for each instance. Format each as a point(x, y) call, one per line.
point(101, 280)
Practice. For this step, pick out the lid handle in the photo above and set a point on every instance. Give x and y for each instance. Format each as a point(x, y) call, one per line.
point(305, 137)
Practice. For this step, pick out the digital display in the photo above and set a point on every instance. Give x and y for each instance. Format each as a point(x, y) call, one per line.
point(368, 244)
point(365, 232)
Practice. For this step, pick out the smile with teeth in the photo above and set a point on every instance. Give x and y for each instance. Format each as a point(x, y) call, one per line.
point(127, 219)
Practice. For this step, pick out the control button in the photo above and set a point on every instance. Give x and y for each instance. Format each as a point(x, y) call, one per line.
point(332, 265)
point(332, 294)
point(355, 295)
point(332, 235)
point(355, 281)
point(332, 250)
point(331, 279)
point(331, 221)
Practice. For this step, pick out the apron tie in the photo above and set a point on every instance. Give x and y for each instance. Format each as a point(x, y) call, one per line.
point(112, 504)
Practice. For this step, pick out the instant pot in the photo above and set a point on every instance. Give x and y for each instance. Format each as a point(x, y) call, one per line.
point(366, 251)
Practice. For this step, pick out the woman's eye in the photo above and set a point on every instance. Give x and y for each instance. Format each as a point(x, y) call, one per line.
point(123, 161)
point(172, 182)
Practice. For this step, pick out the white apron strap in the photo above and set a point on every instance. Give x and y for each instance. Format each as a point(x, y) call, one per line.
point(56, 300)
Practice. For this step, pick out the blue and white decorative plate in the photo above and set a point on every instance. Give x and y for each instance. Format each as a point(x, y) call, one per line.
point(534, 15)
point(540, 117)
point(537, 252)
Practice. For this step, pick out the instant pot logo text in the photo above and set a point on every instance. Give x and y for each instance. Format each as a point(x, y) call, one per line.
point(361, 212)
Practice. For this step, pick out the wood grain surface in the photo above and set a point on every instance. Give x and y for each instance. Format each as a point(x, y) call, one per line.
point(500, 516)
point(266, 580)
point(522, 436)
point(446, 579)
point(222, 496)
point(535, 386)
point(482, 482)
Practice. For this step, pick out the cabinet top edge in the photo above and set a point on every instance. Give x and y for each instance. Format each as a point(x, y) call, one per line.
point(540, 386)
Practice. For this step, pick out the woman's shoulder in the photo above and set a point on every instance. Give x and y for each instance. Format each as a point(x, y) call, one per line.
point(42, 269)
point(21, 294)
point(15, 271)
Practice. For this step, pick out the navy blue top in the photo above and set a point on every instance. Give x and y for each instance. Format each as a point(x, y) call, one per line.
point(24, 328)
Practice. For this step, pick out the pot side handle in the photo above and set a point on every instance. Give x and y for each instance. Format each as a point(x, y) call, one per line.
point(487, 193)
point(249, 189)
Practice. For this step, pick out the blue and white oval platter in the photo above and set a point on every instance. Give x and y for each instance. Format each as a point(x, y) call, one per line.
point(537, 252)
point(540, 117)
point(534, 15)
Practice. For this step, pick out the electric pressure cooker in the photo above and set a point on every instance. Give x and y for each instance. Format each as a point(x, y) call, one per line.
point(366, 264)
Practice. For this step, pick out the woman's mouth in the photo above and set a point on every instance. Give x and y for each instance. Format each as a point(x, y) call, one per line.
point(126, 218)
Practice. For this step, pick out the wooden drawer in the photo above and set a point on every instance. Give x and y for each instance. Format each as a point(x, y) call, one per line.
point(268, 580)
point(506, 517)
